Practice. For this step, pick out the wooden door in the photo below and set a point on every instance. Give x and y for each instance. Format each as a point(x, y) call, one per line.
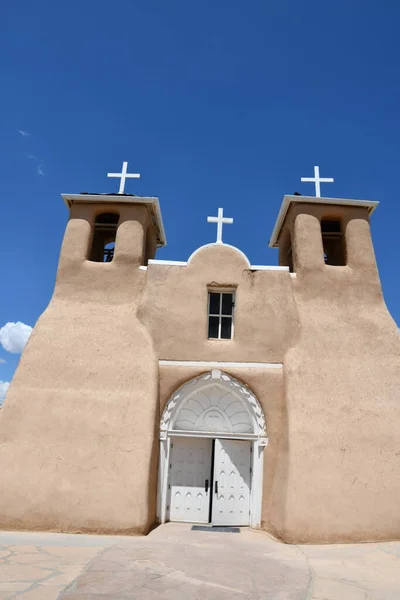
point(190, 479)
point(231, 486)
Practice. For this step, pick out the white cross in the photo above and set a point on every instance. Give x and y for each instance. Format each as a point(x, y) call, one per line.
point(219, 221)
point(124, 175)
point(317, 179)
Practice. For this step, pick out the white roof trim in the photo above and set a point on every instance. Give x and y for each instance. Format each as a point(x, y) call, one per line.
point(289, 200)
point(180, 263)
point(268, 268)
point(168, 263)
point(152, 202)
point(215, 364)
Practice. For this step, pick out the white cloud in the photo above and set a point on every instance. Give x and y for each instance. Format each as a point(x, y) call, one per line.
point(23, 133)
point(40, 169)
point(13, 336)
point(4, 385)
point(2, 361)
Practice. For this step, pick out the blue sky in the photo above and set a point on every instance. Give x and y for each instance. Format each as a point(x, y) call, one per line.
point(214, 103)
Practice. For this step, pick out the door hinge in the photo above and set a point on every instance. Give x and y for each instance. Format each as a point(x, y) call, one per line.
point(251, 449)
point(251, 470)
point(172, 445)
point(170, 465)
point(169, 486)
point(167, 506)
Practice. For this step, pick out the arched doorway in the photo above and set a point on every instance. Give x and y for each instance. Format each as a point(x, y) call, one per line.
point(212, 437)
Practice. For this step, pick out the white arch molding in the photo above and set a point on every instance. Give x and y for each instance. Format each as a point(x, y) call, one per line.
point(213, 405)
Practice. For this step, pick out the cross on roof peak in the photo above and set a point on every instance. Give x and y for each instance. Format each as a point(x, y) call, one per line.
point(123, 176)
point(318, 180)
point(220, 220)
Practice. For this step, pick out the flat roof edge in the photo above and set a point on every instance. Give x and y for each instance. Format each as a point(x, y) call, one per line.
point(289, 200)
point(151, 201)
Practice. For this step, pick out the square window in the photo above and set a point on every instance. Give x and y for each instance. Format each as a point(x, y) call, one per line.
point(220, 315)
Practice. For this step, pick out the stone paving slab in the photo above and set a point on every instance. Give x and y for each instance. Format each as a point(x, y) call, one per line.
point(176, 563)
point(39, 566)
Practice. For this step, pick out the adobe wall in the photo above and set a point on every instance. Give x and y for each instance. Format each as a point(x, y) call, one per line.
point(342, 381)
point(78, 445)
point(174, 308)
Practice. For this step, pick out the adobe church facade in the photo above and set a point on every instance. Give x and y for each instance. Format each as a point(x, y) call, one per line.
point(208, 391)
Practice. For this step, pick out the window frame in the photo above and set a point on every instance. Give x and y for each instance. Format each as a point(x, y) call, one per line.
point(221, 291)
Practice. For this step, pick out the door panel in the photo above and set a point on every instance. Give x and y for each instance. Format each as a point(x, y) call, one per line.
point(190, 468)
point(231, 493)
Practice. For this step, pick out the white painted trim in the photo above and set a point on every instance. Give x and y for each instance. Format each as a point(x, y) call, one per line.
point(162, 488)
point(256, 485)
point(170, 263)
point(289, 200)
point(182, 263)
point(204, 434)
point(143, 268)
point(219, 365)
point(268, 268)
point(293, 275)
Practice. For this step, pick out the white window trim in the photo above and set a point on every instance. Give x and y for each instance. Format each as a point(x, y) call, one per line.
point(214, 290)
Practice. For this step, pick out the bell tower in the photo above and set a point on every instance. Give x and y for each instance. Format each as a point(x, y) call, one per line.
point(84, 400)
point(107, 218)
point(312, 233)
point(341, 377)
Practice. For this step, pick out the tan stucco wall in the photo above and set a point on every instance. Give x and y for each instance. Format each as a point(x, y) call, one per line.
point(78, 446)
point(342, 381)
point(174, 308)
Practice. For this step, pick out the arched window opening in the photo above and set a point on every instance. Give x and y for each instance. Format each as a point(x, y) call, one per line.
point(333, 242)
point(105, 231)
point(109, 252)
point(289, 259)
point(286, 253)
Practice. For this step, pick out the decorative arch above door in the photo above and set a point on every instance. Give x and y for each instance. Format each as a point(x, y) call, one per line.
point(214, 402)
point(219, 407)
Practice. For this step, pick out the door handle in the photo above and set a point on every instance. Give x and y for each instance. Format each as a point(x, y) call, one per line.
point(206, 485)
point(216, 487)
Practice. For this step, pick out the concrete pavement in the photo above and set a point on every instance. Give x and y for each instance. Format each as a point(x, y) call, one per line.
point(176, 563)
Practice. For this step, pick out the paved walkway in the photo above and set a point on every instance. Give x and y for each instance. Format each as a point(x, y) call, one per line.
point(175, 563)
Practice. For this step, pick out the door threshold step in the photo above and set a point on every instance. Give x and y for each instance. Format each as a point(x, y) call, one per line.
point(216, 528)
